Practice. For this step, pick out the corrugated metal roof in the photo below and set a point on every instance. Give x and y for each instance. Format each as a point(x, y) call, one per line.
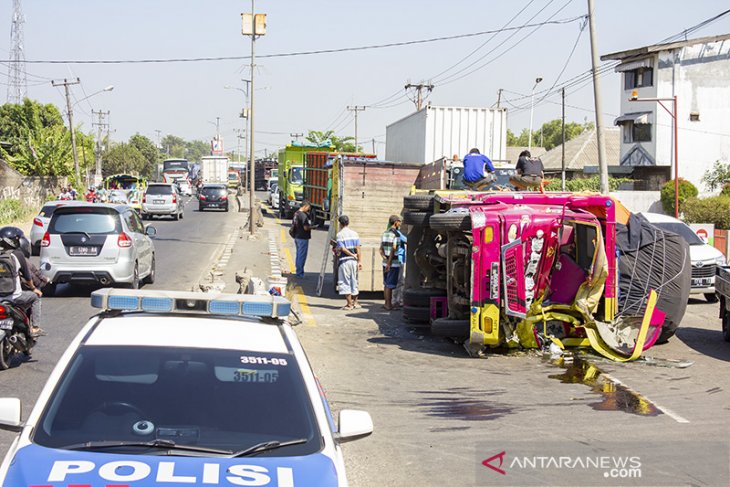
point(583, 151)
point(513, 152)
point(639, 51)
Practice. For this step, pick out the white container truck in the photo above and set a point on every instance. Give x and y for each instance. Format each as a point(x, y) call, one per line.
point(214, 169)
point(434, 132)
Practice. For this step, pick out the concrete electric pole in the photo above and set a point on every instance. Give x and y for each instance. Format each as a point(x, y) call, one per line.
point(419, 92)
point(356, 109)
point(65, 83)
point(296, 136)
point(602, 163)
point(101, 124)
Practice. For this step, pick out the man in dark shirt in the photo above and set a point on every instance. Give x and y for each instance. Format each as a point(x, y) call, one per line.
point(302, 234)
point(475, 176)
point(529, 172)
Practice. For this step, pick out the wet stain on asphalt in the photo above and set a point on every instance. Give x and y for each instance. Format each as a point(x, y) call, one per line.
point(464, 404)
point(614, 396)
point(455, 428)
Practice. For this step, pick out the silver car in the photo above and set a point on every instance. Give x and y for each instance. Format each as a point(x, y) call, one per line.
point(40, 223)
point(162, 199)
point(97, 243)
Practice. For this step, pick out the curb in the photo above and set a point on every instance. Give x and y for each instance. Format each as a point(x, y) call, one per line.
point(208, 280)
point(275, 278)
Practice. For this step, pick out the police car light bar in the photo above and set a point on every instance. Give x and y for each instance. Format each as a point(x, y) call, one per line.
point(154, 301)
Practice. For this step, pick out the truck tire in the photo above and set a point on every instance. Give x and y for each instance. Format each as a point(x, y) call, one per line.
point(421, 296)
point(418, 202)
point(668, 331)
point(450, 222)
point(416, 314)
point(445, 327)
point(417, 218)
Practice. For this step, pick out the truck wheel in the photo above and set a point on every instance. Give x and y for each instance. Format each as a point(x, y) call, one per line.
point(725, 325)
point(421, 296)
point(668, 330)
point(445, 327)
point(449, 222)
point(416, 314)
point(418, 202)
point(711, 297)
point(417, 218)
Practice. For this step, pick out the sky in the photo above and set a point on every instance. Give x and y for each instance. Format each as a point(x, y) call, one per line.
point(301, 93)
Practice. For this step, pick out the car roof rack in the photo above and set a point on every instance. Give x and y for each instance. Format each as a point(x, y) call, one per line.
point(213, 303)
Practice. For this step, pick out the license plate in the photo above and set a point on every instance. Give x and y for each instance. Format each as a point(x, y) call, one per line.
point(159, 202)
point(702, 282)
point(83, 250)
point(6, 324)
point(213, 204)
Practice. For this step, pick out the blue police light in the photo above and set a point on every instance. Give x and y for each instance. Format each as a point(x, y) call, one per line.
point(283, 310)
point(160, 305)
point(123, 302)
point(258, 309)
point(225, 307)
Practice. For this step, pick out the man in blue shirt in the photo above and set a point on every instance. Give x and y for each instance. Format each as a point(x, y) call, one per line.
point(475, 176)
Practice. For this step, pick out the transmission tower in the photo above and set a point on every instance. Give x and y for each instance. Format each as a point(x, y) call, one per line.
point(17, 79)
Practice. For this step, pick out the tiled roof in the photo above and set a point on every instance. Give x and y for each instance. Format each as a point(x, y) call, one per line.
point(582, 151)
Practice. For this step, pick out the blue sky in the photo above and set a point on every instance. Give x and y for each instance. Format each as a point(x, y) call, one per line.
point(310, 92)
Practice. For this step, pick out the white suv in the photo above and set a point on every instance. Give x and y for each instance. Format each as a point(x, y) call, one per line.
point(162, 199)
point(97, 243)
point(171, 388)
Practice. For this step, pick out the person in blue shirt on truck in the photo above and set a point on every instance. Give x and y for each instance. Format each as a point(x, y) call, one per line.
point(478, 170)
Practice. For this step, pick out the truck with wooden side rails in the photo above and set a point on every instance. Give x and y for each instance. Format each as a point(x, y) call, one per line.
point(369, 191)
point(318, 180)
point(291, 175)
point(505, 269)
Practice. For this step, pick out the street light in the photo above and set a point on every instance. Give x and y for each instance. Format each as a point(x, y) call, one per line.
point(532, 111)
point(672, 113)
point(108, 88)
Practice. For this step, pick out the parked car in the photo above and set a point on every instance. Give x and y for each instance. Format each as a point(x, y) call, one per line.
point(40, 223)
point(274, 195)
point(705, 258)
point(162, 199)
point(142, 397)
point(97, 243)
point(213, 196)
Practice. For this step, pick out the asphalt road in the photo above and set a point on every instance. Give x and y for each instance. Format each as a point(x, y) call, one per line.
point(183, 249)
point(438, 414)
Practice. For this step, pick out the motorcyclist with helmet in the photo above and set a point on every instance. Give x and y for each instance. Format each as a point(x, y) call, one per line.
point(10, 242)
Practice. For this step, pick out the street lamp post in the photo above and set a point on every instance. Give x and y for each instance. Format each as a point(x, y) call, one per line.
point(532, 111)
point(245, 116)
point(672, 113)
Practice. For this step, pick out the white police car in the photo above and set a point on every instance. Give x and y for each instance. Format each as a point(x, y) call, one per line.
point(172, 388)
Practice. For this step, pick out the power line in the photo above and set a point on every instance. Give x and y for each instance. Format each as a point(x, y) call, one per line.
point(297, 53)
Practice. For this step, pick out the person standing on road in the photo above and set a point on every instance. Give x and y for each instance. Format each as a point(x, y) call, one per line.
point(389, 244)
point(302, 233)
point(348, 263)
point(475, 176)
point(530, 172)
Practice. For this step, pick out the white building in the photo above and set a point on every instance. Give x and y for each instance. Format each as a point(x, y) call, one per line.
point(697, 72)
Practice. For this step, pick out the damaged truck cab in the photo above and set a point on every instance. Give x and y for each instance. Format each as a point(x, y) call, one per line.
point(529, 269)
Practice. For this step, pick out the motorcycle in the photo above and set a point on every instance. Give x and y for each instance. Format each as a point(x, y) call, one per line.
point(15, 335)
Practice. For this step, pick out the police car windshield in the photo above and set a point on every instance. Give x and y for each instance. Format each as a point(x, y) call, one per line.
point(223, 400)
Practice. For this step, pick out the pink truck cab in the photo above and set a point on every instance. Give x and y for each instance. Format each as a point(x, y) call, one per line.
point(527, 269)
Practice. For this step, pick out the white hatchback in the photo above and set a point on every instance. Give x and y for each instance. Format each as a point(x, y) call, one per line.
point(705, 258)
point(178, 388)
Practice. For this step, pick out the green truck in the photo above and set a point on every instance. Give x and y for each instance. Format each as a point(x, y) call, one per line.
point(291, 175)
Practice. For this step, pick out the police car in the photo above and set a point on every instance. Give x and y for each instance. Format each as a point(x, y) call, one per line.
point(170, 388)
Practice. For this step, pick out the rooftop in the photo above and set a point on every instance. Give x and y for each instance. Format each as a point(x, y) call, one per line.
point(640, 51)
point(582, 151)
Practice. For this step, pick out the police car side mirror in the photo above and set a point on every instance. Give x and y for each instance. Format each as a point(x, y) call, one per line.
point(353, 425)
point(10, 410)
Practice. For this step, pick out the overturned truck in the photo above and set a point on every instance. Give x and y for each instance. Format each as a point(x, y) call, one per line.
point(527, 269)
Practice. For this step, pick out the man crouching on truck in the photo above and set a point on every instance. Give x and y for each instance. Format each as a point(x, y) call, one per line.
point(475, 176)
point(529, 172)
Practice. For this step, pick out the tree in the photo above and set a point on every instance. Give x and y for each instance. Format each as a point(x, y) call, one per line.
point(45, 151)
point(550, 135)
point(718, 176)
point(123, 159)
point(197, 149)
point(341, 144)
point(17, 120)
point(148, 151)
point(173, 146)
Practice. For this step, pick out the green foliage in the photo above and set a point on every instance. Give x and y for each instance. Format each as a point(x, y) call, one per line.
point(30, 116)
point(148, 151)
point(46, 151)
point(341, 144)
point(123, 159)
point(725, 190)
point(177, 147)
point(550, 135)
point(13, 211)
point(593, 183)
point(686, 190)
point(708, 210)
point(719, 175)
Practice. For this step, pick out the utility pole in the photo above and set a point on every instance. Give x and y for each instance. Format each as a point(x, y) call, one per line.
point(356, 109)
point(66, 83)
point(101, 124)
point(374, 152)
point(499, 97)
point(562, 156)
point(296, 136)
point(245, 115)
point(419, 92)
point(17, 79)
point(602, 163)
point(218, 128)
point(159, 134)
point(253, 25)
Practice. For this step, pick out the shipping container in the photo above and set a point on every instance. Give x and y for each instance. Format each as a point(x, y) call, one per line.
point(435, 132)
point(214, 169)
